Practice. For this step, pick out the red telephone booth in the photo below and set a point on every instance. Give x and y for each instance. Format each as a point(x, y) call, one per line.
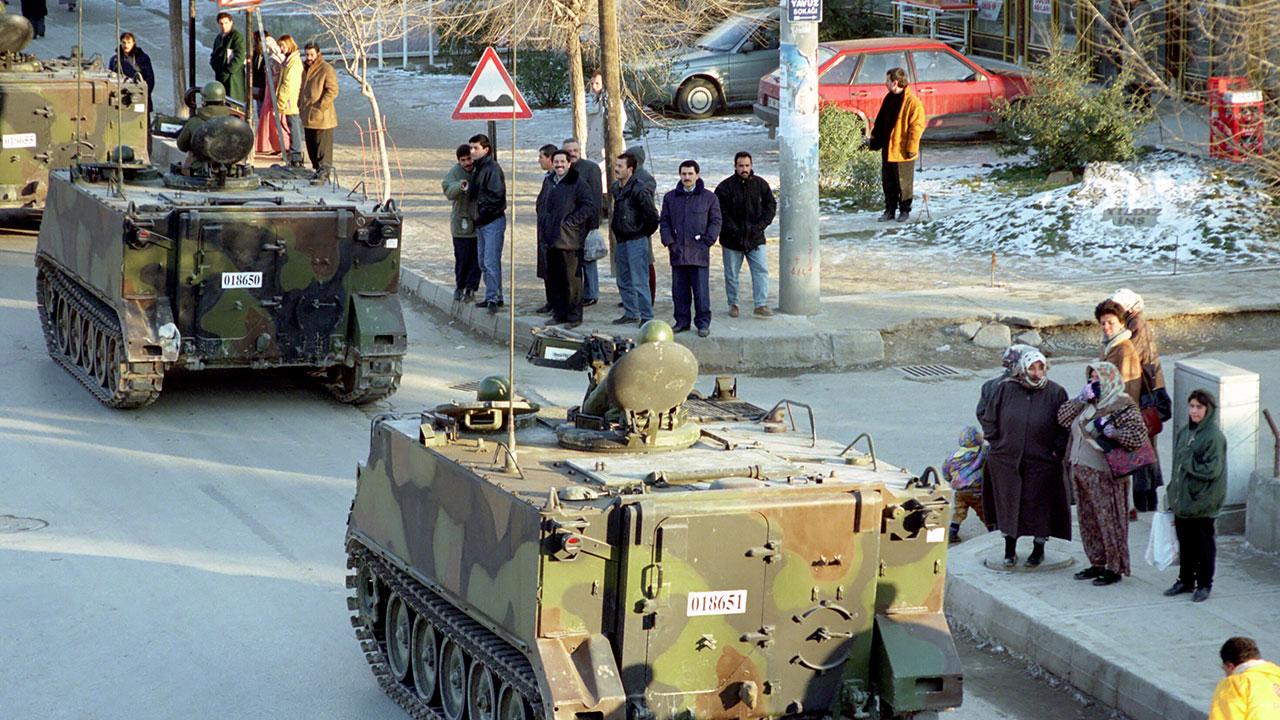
point(1235, 119)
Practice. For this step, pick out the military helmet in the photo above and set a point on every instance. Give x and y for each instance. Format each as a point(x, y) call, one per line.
point(655, 331)
point(493, 388)
point(121, 154)
point(213, 92)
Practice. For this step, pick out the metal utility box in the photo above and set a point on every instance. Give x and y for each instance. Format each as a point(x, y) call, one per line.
point(1237, 391)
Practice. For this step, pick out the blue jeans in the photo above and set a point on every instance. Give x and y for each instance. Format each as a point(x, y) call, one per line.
point(489, 247)
point(590, 280)
point(295, 135)
point(758, 261)
point(632, 258)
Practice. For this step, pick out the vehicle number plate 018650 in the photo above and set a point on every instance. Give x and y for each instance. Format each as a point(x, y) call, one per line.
point(717, 602)
point(234, 280)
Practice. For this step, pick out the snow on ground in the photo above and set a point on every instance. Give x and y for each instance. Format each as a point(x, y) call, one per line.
point(1138, 215)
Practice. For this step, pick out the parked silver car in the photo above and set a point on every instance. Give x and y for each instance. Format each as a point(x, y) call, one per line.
point(724, 66)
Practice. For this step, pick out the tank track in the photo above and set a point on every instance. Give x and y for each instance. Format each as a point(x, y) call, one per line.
point(135, 384)
point(376, 378)
point(507, 663)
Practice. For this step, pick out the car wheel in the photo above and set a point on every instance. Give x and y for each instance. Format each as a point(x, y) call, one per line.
point(698, 98)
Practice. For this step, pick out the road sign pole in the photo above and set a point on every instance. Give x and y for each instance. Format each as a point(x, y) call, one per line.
point(799, 253)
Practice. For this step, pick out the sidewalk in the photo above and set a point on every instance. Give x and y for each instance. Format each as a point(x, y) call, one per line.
point(849, 330)
point(1149, 656)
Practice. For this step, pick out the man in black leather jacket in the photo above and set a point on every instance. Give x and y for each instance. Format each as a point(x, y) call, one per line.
point(488, 196)
point(633, 220)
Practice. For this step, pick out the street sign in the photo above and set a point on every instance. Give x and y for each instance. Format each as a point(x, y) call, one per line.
point(491, 94)
point(804, 10)
point(236, 4)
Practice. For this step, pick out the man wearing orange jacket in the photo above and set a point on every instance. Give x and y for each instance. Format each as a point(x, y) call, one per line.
point(896, 134)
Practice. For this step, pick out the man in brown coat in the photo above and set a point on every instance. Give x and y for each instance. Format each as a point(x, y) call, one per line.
point(896, 134)
point(319, 118)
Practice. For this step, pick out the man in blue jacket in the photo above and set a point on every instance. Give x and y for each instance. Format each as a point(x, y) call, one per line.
point(690, 225)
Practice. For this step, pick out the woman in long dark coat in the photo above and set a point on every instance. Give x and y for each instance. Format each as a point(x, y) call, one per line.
point(1025, 489)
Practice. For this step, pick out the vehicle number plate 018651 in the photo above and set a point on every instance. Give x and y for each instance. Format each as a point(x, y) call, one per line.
point(234, 280)
point(717, 602)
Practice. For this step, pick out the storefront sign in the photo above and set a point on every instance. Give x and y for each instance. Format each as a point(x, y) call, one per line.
point(990, 9)
point(1042, 7)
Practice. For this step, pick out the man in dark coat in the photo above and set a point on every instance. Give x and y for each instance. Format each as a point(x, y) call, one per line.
point(544, 162)
point(564, 208)
point(690, 224)
point(590, 175)
point(645, 178)
point(227, 58)
point(747, 206)
point(488, 196)
point(35, 11)
point(633, 220)
point(1025, 489)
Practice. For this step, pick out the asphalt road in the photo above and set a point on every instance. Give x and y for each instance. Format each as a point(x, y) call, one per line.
point(187, 559)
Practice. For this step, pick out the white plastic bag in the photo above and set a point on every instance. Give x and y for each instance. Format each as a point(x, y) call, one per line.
point(1162, 546)
point(595, 246)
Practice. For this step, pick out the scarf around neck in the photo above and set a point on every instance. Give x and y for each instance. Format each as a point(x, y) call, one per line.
point(1110, 342)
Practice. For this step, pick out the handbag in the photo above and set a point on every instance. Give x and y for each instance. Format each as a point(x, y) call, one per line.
point(595, 246)
point(1124, 461)
point(1162, 544)
point(1148, 404)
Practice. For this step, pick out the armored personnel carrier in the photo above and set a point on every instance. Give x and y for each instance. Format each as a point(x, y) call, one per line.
point(38, 115)
point(140, 272)
point(653, 553)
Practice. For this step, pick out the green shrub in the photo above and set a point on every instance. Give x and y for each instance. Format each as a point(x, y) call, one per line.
point(1066, 123)
point(543, 77)
point(850, 20)
point(845, 167)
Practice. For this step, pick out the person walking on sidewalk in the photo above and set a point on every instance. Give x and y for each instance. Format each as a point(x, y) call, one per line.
point(319, 112)
point(544, 162)
point(589, 174)
point(963, 471)
point(690, 224)
point(1101, 408)
point(896, 134)
point(1024, 489)
point(1154, 401)
point(288, 95)
point(488, 195)
point(565, 207)
point(228, 56)
point(1197, 489)
point(633, 221)
point(1251, 688)
point(747, 207)
point(466, 266)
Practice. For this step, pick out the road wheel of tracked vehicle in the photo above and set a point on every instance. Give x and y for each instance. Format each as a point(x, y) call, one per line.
point(75, 336)
point(453, 679)
point(511, 706)
point(111, 376)
point(367, 597)
point(58, 322)
point(399, 626)
point(425, 656)
point(100, 359)
point(482, 694)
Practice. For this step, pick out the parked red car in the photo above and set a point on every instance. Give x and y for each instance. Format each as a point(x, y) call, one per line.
point(957, 91)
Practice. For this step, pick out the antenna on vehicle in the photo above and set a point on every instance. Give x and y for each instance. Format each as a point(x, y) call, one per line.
point(119, 151)
point(79, 58)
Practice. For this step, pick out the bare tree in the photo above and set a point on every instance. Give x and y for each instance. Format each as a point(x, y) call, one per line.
point(355, 28)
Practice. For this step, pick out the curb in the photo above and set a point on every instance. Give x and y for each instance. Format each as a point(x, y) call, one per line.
point(803, 348)
point(1065, 647)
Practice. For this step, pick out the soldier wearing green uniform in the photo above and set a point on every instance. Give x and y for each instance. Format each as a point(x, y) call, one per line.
point(215, 98)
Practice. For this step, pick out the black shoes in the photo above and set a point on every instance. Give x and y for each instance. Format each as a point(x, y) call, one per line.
point(680, 328)
point(904, 216)
point(1010, 552)
point(703, 332)
point(1201, 594)
point(626, 320)
point(1037, 555)
point(886, 217)
point(543, 309)
point(493, 305)
point(1178, 588)
point(457, 294)
point(1090, 573)
point(1106, 577)
point(589, 303)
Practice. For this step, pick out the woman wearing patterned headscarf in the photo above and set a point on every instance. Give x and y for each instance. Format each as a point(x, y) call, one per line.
point(1102, 410)
point(1024, 489)
point(1153, 393)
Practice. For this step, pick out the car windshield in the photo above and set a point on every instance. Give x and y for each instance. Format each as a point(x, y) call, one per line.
point(824, 54)
point(726, 36)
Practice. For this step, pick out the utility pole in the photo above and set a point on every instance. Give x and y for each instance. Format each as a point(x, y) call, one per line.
point(191, 43)
point(179, 63)
point(799, 254)
point(611, 70)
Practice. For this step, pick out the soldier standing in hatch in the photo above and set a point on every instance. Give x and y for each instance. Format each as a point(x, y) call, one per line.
point(227, 58)
point(215, 97)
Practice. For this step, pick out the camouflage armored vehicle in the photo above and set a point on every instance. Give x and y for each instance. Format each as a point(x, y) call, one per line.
point(673, 556)
point(140, 272)
point(38, 115)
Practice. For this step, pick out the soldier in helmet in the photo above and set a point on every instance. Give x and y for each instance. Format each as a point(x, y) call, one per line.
point(215, 99)
point(597, 402)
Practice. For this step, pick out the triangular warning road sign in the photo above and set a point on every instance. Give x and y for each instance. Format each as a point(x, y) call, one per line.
point(490, 94)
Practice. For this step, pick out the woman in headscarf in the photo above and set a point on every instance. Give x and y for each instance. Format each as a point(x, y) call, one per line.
point(267, 60)
point(1196, 492)
point(1102, 410)
point(1024, 489)
point(1009, 360)
point(1153, 397)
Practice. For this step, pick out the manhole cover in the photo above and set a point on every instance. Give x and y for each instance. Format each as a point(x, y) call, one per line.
point(472, 386)
point(14, 524)
point(928, 372)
